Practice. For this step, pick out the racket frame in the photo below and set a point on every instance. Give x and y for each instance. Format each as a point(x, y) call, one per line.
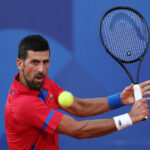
point(140, 59)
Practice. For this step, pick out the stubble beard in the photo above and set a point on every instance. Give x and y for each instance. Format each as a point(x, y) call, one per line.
point(33, 85)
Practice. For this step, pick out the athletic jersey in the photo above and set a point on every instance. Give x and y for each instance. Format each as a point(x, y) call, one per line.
point(31, 117)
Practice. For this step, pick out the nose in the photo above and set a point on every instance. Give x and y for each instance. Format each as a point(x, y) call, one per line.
point(41, 68)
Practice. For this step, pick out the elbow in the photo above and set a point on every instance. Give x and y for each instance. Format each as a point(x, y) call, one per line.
point(77, 136)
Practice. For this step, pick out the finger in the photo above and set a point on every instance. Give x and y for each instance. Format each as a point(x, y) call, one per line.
point(145, 118)
point(146, 99)
point(145, 106)
point(132, 85)
point(129, 88)
point(143, 101)
point(145, 88)
point(145, 83)
point(146, 93)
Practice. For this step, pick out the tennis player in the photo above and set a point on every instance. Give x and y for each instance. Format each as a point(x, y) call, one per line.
point(31, 118)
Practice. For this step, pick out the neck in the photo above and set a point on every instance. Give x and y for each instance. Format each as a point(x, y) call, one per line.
point(22, 80)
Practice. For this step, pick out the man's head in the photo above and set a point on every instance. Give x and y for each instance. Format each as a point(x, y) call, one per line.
point(33, 61)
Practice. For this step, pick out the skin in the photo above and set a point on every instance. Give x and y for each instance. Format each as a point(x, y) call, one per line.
point(32, 75)
point(33, 69)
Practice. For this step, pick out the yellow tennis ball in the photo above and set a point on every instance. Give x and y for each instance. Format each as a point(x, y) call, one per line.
point(65, 99)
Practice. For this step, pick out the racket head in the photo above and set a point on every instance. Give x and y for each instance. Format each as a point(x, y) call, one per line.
point(124, 34)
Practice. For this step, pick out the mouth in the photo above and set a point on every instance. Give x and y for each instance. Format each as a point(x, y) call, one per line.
point(39, 79)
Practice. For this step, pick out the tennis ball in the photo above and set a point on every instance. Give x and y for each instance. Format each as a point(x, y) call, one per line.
point(65, 99)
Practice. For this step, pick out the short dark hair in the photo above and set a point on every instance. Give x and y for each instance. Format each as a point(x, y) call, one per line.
point(32, 42)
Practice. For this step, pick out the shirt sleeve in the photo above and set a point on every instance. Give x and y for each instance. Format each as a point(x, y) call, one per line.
point(37, 114)
point(58, 90)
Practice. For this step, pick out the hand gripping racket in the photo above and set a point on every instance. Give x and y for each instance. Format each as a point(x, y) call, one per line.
point(125, 36)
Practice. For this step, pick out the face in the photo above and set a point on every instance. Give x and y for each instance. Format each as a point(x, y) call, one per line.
point(34, 69)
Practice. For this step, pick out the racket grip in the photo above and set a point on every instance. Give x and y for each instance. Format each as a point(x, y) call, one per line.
point(137, 92)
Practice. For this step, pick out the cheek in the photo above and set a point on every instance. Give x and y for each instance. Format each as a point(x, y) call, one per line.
point(47, 68)
point(28, 72)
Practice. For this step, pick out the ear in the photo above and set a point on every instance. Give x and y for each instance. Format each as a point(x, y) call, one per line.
point(19, 63)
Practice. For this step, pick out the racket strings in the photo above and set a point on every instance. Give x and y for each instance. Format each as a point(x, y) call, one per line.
point(124, 34)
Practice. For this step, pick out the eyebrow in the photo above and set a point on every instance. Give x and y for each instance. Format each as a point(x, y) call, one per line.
point(34, 59)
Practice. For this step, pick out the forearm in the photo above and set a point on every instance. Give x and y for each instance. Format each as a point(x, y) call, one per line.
point(96, 128)
point(101, 127)
point(88, 107)
point(86, 129)
point(95, 106)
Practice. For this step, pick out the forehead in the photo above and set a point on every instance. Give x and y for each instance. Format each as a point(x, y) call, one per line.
point(42, 55)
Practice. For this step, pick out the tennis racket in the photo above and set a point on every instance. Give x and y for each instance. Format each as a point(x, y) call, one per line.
point(125, 36)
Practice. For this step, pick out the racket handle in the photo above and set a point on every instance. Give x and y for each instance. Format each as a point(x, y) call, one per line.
point(138, 95)
point(137, 92)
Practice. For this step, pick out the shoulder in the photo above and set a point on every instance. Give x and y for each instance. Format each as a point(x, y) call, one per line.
point(23, 101)
point(49, 81)
point(50, 84)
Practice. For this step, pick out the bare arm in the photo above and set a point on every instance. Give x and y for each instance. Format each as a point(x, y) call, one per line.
point(85, 129)
point(100, 127)
point(94, 106)
point(88, 107)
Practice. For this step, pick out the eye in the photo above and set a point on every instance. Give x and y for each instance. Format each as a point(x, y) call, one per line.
point(35, 62)
point(46, 62)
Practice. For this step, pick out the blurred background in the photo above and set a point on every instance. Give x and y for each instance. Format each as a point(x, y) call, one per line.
point(79, 62)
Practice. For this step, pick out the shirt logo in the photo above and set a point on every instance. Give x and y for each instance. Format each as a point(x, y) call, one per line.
point(51, 97)
point(119, 123)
